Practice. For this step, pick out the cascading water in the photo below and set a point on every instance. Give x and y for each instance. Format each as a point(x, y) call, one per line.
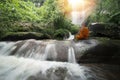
point(71, 55)
point(30, 49)
point(26, 60)
point(6, 48)
point(50, 52)
point(45, 50)
point(13, 68)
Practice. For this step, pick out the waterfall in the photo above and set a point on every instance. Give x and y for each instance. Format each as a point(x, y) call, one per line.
point(50, 52)
point(6, 48)
point(13, 68)
point(71, 37)
point(46, 49)
point(27, 60)
point(32, 49)
point(41, 50)
point(71, 55)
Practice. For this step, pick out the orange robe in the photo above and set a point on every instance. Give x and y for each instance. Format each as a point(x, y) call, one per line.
point(83, 33)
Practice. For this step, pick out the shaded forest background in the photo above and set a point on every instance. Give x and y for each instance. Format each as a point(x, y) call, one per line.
point(44, 19)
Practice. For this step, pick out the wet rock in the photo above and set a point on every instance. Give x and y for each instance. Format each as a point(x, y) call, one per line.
point(58, 73)
point(106, 51)
point(31, 78)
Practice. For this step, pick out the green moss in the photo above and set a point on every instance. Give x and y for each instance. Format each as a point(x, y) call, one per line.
point(22, 35)
point(61, 33)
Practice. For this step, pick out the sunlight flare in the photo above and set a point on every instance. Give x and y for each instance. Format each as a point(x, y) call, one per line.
point(81, 4)
point(81, 9)
point(76, 4)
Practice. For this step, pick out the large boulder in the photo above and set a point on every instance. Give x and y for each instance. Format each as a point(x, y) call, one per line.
point(106, 51)
point(110, 30)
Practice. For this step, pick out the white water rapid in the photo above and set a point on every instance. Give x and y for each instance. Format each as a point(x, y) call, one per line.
point(28, 60)
point(13, 68)
point(46, 50)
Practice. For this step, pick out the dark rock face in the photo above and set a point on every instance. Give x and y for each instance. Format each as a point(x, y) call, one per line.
point(110, 71)
point(105, 30)
point(97, 27)
point(107, 51)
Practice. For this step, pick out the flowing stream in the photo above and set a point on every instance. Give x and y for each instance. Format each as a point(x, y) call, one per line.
point(46, 50)
point(40, 60)
point(13, 68)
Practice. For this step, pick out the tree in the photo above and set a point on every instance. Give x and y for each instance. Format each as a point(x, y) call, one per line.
point(105, 9)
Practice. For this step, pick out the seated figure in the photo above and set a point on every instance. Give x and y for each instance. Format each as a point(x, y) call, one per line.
point(83, 33)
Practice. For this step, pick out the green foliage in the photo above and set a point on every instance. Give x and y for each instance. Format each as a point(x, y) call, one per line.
point(24, 16)
point(108, 13)
point(61, 33)
point(115, 18)
point(105, 10)
point(74, 29)
point(17, 10)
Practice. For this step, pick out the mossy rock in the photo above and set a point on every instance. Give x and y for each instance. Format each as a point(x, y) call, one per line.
point(14, 36)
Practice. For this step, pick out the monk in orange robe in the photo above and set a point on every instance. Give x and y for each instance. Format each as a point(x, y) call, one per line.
point(83, 33)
